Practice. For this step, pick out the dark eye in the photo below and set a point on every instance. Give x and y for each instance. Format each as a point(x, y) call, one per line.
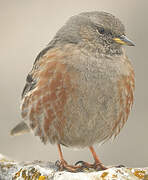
point(101, 30)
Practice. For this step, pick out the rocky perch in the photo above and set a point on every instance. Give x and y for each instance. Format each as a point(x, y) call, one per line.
point(39, 170)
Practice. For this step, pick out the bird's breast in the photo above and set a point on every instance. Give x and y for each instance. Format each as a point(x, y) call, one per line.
point(104, 97)
point(79, 101)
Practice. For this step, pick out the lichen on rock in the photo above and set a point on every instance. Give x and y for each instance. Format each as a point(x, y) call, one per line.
point(39, 170)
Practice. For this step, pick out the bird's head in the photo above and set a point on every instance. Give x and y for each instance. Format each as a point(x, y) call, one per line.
point(100, 31)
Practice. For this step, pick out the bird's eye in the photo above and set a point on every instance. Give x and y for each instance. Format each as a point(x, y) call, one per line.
point(101, 30)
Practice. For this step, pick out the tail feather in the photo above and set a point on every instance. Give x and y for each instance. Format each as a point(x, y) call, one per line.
point(19, 129)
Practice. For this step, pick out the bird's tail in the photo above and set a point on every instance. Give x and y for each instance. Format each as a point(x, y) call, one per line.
point(20, 129)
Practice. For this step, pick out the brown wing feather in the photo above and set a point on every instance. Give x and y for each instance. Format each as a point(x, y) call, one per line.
point(44, 105)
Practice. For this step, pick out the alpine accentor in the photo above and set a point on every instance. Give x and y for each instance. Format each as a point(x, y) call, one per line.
point(80, 89)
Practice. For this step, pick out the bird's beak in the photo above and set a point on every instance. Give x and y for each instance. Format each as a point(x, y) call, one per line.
point(123, 40)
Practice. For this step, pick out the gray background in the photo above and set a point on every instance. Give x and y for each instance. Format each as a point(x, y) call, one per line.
point(26, 26)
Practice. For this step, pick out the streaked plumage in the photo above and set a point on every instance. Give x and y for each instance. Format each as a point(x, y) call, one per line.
point(80, 89)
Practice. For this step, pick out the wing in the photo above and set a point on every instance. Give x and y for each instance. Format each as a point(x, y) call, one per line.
point(30, 80)
point(22, 127)
point(45, 94)
point(30, 85)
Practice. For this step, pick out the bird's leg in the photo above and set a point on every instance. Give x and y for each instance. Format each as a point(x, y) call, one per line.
point(97, 164)
point(63, 165)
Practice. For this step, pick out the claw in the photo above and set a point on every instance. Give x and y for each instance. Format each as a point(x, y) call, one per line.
point(96, 166)
point(120, 166)
point(100, 167)
point(62, 165)
point(58, 164)
point(80, 162)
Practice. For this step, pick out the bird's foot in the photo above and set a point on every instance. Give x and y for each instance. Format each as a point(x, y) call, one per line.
point(96, 166)
point(63, 165)
point(120, 166)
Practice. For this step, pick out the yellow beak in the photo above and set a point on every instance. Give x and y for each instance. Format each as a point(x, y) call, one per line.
point(123, 40)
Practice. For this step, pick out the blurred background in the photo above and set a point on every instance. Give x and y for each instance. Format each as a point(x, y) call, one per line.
point(26, 27)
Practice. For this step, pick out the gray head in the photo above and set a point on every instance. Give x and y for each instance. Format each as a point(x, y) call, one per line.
point(99, 31)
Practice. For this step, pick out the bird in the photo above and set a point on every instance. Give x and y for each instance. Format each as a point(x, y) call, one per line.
point(80, 89)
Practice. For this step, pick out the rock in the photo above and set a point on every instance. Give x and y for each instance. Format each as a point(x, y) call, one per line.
point(39, 170)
